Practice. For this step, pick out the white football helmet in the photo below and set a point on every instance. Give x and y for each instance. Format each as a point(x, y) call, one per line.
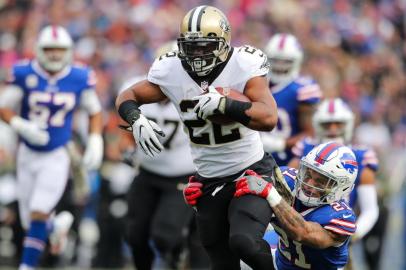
point(333, 110)
point(285, 57)
point(54, 37)
point(326, 174)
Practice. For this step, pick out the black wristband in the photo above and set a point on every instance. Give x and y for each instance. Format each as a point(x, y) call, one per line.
point(129, 111)
point(235, 109)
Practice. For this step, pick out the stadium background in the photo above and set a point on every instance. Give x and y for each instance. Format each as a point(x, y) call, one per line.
point(354, 49)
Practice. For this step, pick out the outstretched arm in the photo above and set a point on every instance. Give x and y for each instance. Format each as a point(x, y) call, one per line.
point(306, 232)
point(297, 228)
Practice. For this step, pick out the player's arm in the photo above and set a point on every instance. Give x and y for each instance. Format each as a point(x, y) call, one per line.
point(144, 131)
point(93, 155)
point(297, 151)
point(262, 113)
point(305, 114)
point(367, 198)
point(10, 100)
point(297, 228)
point(306, 232)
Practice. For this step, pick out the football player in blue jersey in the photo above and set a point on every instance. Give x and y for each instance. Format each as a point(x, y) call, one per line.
point(295, 96)
point(314, 231)
point(334, 121)
point(48, 90)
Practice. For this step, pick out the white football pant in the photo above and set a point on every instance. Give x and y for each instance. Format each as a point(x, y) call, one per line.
point(41, 180)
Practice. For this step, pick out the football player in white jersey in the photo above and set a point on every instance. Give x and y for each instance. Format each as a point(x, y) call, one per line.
point(48, 89)
point(229, 228)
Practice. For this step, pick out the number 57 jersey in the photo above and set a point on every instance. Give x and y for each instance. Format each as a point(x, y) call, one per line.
point(217, 150)
point(51, 101)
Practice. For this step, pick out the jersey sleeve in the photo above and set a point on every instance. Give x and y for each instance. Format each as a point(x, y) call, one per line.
point(16, 74)
point(370, 160)
point(159, 71)
point(340, 219)
point(91, 79)
point(308, 91)
point(253, 61)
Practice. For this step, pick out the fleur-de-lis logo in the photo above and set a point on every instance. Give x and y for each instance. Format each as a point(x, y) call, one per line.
point(225, 26)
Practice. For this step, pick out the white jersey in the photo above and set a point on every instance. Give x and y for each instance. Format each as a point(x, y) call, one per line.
point(217, 150)
point(176, 159)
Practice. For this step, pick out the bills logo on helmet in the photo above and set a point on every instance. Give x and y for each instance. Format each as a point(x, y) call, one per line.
point(349, 163)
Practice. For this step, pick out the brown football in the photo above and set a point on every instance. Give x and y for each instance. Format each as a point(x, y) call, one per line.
point(230, 93)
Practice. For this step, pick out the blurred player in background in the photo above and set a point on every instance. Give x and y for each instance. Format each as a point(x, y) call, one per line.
point(295, 96)
point(48, 89)
point(229, 228)
point(314, 232)
point(334, 121)
point(156, 210)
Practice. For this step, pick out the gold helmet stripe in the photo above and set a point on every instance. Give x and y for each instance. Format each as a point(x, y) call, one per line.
point(196, 18)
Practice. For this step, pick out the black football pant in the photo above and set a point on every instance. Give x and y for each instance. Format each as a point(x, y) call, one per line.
point(157, 212)
point(232, 228)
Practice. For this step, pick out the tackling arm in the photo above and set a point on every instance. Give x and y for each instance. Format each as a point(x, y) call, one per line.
point(306, 232)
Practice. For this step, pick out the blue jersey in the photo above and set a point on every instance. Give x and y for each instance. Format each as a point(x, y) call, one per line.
point(366, 158)
point(51, 101)
point(288, 98)
point(337, 217)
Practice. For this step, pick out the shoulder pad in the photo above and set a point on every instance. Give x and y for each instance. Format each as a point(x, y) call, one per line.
point(253, 60)
point(161, 67)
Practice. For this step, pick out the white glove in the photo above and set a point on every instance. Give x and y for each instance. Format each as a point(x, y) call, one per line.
point(145, 134)
point(208, 104)
point(30, 131)
point(93, 156)
point(273, 143)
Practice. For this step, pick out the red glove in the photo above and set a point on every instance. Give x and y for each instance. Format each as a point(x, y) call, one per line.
point(192, 191)
point(252, 183)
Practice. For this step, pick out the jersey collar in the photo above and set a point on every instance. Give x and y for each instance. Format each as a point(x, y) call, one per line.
point(44, 74)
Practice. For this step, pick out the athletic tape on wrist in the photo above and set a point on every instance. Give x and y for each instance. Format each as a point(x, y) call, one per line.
point(235, 109)
point(129, 111)
point(273, 197)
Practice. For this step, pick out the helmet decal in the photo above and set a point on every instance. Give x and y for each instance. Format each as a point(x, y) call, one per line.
point(349, 163)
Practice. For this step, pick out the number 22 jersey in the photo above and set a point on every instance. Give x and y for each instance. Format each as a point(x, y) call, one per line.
point(217, 150)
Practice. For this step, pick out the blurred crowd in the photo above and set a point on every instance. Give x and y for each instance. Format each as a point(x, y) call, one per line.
point(355, 49)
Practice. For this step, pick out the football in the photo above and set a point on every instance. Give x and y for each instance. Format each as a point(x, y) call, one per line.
point(230, 93)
